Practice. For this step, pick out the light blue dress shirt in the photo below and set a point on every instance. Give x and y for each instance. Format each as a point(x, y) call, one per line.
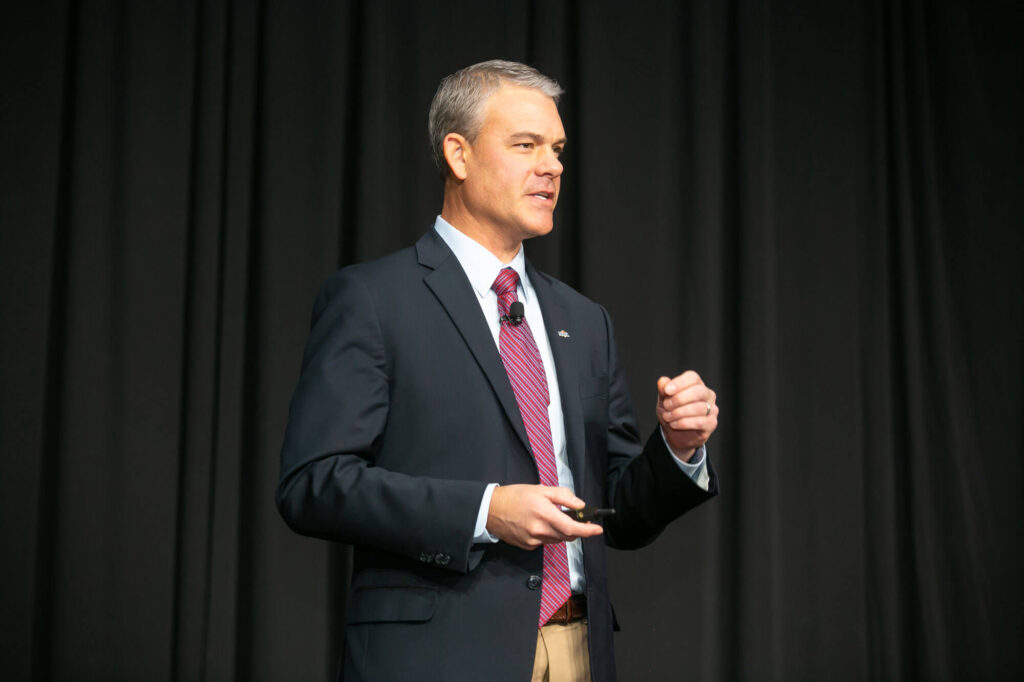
point(482, 267)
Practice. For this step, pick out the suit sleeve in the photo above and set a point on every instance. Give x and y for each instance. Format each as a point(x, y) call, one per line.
point(643, 483)
point(329, 484)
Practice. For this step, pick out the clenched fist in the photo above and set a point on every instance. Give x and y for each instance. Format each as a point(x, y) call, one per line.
point(687, 412)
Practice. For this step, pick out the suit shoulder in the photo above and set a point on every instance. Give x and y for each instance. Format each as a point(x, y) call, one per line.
point(378, 275)
point(374, 271)
point(370, 280)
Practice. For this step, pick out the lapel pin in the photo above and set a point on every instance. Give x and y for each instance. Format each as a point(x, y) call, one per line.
point(564, 334)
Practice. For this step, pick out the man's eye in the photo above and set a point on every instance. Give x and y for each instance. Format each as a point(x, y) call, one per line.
point(525, 145)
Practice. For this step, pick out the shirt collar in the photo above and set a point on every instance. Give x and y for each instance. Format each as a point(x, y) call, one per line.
point(481, 266)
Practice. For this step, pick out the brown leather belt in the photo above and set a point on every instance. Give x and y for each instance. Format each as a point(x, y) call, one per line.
point(572, 610)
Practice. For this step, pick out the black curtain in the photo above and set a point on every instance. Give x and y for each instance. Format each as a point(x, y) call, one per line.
point(817, 205)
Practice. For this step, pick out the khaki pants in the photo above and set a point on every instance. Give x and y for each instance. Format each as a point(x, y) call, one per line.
point(562, 653)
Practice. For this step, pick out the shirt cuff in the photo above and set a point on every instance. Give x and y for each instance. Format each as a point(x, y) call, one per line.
point(696, 468)
point(480, 533)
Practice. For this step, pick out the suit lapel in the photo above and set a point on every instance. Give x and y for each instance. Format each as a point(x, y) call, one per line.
point(449, 283)
point(556, 318)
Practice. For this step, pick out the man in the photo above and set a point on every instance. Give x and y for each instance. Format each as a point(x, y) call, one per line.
point(440, 429)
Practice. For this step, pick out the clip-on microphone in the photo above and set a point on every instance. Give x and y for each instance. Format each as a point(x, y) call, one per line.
point(516, 311)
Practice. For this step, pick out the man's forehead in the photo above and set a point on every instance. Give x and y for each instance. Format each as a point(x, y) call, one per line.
point(517, 94)
point(523, 110)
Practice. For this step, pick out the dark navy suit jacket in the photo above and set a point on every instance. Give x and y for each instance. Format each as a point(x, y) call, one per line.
point(403, 414)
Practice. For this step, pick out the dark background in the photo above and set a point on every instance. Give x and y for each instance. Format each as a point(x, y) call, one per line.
point(818, 205)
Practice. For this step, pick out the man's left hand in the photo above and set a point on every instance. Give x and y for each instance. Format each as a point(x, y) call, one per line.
point(687, 412)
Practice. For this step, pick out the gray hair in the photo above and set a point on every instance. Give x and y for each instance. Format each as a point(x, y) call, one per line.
point(460, 98)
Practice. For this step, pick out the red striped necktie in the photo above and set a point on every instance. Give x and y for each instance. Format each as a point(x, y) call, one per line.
point(525, 370)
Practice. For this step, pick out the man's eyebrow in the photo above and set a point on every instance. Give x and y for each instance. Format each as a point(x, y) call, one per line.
point(536, 137)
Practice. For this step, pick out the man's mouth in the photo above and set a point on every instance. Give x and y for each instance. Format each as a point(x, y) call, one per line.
point(546, 196)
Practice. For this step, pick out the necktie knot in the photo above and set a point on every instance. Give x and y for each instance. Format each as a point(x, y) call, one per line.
point(506, 281)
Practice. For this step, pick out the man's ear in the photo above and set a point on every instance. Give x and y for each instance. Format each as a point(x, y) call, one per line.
point(456, 153)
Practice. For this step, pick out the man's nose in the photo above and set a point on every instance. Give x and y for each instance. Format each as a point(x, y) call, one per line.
point(549, 164)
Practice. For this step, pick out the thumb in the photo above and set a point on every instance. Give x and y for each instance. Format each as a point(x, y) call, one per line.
point(662, 383)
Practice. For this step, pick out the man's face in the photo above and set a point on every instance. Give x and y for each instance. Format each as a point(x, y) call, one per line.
point(512, 167)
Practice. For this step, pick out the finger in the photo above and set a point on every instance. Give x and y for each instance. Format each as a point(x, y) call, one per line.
point(682, 382)
point(564, 525)
point(696, 408)
point(687, 398)
point(662, 382)
point(567, 529)
point(688, 410)
point(673, 386)
point(562, 496)
point(701, 424)
point(705, 424)
point(696, 394)
point(587, 530)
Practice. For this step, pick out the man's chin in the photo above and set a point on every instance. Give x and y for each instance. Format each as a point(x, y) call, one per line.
point(539, 227)
point(537, 231)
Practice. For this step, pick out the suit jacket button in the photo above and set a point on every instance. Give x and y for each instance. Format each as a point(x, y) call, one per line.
point(424, 557)
point(442, 559)
point(533, 582)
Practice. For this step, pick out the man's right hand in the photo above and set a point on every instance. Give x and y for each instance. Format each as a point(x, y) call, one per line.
point(529, 516)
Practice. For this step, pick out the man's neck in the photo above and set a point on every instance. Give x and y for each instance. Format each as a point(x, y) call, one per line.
point(486, 235)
